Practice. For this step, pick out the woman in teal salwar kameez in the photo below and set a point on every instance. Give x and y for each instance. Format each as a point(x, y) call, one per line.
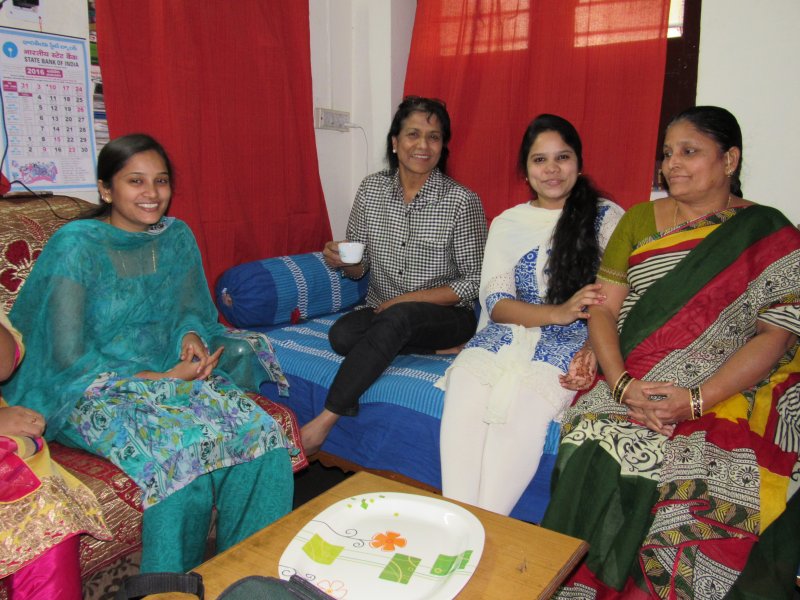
point(119, 322)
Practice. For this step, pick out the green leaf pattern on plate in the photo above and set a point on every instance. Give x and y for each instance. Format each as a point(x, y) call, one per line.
point(445, 564)
point(400, 568)
point(465, 556)
point(321, 551)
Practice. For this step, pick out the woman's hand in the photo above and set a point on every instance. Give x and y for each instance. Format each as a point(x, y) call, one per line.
point(392, 302)
point(442, 295)
point(582, 370)
point(577, 306)
point(21, 422)
point(193, 347)
point(194, 366)
point(659, 405)
point(195, 363)
point(331, 256)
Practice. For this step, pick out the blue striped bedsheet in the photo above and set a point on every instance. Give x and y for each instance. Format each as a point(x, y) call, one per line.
point(303, 351)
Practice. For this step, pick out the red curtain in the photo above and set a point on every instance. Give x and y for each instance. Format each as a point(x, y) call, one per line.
point(499, 63)
point(226, 88)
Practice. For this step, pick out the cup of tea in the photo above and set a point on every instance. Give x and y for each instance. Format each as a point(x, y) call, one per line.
point(351, 252)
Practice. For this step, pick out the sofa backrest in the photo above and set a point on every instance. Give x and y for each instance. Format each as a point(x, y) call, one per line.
point(26, 223)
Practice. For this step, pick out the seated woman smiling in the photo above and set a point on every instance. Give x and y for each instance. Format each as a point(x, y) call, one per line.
point(537, 280)
point(680, 466)
point(118, 319)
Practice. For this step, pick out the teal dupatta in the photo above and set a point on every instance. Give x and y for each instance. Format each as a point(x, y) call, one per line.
point(103, 304)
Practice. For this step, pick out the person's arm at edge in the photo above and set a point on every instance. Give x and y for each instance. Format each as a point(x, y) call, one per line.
point(356, 232)
point(603, 334)
point(469, 239)
point(8, 350)
point(517, 312)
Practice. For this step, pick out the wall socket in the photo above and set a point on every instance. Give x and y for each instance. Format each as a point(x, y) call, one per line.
point(326, 118)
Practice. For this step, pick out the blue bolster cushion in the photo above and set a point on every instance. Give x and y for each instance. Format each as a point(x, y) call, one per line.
point(285, 289)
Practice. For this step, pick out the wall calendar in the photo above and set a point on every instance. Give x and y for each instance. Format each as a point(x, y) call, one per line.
point(48, 133)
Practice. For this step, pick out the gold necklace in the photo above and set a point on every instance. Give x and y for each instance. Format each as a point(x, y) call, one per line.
point(675, 215)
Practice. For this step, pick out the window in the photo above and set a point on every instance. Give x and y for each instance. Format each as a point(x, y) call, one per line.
point(597, 23)
point(484, 26)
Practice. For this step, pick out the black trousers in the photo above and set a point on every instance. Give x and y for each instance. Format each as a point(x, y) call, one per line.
point(369, 342)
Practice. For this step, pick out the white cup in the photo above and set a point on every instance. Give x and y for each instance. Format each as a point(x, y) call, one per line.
point(351, 252)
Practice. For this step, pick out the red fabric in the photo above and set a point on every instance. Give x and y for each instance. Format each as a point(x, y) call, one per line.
point(16, 478)
point(285, 417)
point(598, 63)
point(55, 575)
point(226, 88)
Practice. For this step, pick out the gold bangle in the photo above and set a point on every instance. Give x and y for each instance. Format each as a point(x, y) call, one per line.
point(696, 402)
point(625, 389)
point(621, 375)
point(699, 405)
point(620, 386)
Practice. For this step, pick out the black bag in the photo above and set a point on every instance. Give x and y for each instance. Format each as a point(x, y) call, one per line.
point(254, 587)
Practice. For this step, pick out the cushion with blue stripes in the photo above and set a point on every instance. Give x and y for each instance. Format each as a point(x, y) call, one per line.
point(285, 289)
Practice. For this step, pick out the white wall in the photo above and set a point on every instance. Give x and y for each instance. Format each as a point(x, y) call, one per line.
point(359, 50)
point(749, 54)
point(62, 17)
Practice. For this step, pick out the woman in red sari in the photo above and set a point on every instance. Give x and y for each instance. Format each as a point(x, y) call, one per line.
point(685, 455)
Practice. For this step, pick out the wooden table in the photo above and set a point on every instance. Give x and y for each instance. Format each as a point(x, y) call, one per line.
point(519, 560)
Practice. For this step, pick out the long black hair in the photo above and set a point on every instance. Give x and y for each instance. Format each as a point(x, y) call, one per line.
point(114, 156)
point(575, 253)
point(429, 106)
point(722, 127)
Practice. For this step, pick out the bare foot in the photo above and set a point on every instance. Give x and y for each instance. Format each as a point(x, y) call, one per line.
point(313, 433)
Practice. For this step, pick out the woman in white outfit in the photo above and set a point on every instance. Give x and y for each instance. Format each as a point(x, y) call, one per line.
point(509, 381)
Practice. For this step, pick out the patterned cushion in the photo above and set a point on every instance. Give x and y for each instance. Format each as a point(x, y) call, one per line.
point(285, 289)
point(25, 226)
point(287, 420)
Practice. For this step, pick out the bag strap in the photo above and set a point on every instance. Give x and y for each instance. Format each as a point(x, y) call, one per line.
point(137, 586)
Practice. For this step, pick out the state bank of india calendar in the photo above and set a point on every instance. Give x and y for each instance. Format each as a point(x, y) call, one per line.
point(48, 134)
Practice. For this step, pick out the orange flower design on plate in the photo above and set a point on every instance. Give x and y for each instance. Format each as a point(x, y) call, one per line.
point(388, 541)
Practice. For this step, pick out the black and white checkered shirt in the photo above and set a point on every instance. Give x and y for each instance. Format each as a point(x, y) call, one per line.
point(435, 240)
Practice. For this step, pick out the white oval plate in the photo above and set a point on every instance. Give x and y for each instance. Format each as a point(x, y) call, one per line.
point(387, 545)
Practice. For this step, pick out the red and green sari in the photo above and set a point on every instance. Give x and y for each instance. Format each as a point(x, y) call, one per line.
point(681, 517)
